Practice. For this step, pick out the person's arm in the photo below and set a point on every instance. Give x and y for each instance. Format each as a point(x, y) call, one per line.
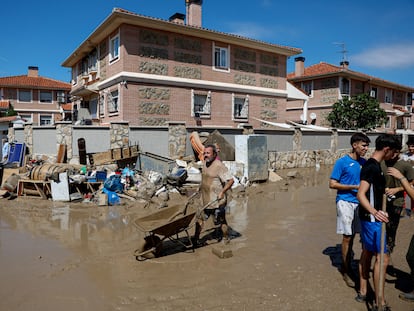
point(363, 200)
point(403, 180)
point(226, 187)
point(334, 184)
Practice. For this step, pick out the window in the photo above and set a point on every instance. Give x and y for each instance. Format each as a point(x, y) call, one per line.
point(388, 96)
point(221, 60)
point(114, 48)
point(75, 72)
point(61, 97)
point(307, 87)
point(374, 92)
point(45, 96)
point(93, 61)
point(345, 87)
point(45, 119)
point(25, 96)
point(240, 107)
point(113, 102)
point(93, 107)
point(200, 104)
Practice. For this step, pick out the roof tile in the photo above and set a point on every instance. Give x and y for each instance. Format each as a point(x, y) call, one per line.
point(33, 82)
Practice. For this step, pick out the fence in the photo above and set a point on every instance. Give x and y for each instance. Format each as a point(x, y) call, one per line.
point(287, 148)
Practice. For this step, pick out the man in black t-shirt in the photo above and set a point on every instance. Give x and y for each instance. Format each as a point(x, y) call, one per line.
point(370, 196)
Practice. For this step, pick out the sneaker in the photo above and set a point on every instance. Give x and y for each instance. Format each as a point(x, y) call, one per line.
point(348, 281)
point(407, 296)
point(361, 298)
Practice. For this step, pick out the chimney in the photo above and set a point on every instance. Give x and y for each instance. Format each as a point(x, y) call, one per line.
point(299, 66)
point(33, 71)
point(344, 64)
point(177, 18)
point(193, 8)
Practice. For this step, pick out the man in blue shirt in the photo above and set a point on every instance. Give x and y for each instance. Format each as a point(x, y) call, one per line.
point(345, 179)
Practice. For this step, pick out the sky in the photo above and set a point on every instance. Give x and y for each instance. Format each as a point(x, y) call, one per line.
point(376, 35)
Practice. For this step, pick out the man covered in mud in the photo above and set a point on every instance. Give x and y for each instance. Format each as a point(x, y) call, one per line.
point(345, 179)
point(216, 180)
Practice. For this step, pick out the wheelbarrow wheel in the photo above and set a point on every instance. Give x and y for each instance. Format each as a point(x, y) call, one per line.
point(149, 242)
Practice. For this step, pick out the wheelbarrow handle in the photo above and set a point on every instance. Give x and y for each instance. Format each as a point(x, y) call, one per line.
point(184, 210)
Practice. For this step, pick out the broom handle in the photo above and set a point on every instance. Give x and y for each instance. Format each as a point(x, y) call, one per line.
point(381, 267)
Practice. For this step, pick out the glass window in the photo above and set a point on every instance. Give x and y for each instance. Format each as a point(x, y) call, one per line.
point(113, 102)
point(45, 120)
point(25, 96)
point(45, 96)
point(221, 58)
point(201, 103)
point(388, 96)
point(307, 87)
point(240, 107)
point(114, 48)
point(61, 97)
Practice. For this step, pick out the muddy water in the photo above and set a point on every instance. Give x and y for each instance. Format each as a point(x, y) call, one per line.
point(56, 256)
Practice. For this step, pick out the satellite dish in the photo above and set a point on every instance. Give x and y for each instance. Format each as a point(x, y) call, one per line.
point(313, 116)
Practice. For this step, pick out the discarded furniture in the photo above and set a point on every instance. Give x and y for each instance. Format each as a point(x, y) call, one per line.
point(39, 188)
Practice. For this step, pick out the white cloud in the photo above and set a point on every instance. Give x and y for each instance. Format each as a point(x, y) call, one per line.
point(386, 57)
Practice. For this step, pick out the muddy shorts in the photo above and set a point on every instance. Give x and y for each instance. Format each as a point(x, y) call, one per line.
point(219, 215)
point(347, 220)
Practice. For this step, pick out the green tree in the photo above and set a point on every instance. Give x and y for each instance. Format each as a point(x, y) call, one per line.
point(358, 112)
point(11, 112)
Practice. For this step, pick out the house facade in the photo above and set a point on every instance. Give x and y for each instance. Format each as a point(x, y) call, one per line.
point(149, 72)
point(36, 99)
point(325, 84)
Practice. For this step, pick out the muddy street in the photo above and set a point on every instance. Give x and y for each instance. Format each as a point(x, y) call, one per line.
point(73, 256)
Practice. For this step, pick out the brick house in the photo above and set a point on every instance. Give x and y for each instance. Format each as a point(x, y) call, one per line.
point(149, 72)
point(325, 84)
point(36, 99)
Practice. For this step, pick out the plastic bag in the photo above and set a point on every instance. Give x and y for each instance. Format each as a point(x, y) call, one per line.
point(113, 183)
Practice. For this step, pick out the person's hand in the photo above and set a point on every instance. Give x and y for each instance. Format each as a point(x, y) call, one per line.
point(391, 191)
point(381, 216)
point(394, 172)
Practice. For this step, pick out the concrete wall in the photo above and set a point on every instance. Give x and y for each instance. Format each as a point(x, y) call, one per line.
point(286, 148)
point(97, 138)
point(44, 140)
point(154, 140)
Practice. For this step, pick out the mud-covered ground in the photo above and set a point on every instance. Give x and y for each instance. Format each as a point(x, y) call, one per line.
point(73, 256)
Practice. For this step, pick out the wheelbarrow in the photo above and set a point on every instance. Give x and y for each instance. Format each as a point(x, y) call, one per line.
point(170, 223)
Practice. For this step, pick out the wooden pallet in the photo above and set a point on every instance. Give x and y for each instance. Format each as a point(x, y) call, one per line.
point(38, 188)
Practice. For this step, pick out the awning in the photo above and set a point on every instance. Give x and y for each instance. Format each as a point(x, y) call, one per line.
point(293, 93)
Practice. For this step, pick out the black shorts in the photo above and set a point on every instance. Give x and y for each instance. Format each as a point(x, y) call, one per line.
point(219, 215)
